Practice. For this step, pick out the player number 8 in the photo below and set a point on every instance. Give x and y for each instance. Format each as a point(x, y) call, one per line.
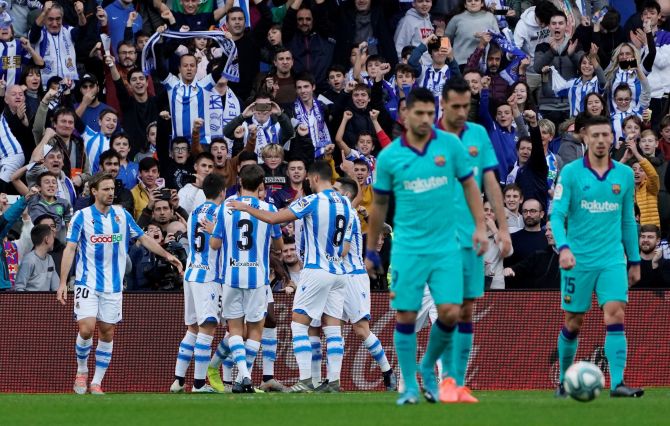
point(338, 236)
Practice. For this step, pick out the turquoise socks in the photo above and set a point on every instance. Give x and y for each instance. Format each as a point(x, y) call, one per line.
point(616, 351)
point(404, 338)
point(567, 348)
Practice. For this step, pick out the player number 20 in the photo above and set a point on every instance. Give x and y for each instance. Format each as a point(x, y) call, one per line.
point(81, 292)
point(338, 236)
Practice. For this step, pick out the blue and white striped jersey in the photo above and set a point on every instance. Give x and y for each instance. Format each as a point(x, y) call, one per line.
point(95, 144)
point(576, 91)
point(353, 261)
point(203, 263)
point(246, 244)
point(327, 226)
point(102, 246)
point(188, 102)
point(12, 56)
point(9, 145)
point(630, 78)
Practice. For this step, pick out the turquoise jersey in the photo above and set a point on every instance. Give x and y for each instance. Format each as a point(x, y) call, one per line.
point(598, 214)
point(424, 185)
point(482, 158)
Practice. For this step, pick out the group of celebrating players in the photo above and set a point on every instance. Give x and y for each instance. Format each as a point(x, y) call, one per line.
point(435, 174)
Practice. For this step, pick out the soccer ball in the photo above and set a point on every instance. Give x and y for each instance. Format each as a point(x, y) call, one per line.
point(583, 381)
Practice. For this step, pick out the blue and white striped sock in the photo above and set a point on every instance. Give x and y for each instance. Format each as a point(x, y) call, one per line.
point(203, 351)
point(334, 351)
point(103, 356)
point(317, 357)
point(228, 365)
point(239, 355)
point(82, 348)
point(302, 349)
point(269, 351)
point(251, 347)
point(185, 354)
point(374, 346)
point(221, 353)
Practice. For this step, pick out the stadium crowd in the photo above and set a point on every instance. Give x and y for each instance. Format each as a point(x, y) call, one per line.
point(161, 95)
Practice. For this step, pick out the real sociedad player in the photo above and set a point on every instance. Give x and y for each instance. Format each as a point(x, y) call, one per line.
point(100, 235)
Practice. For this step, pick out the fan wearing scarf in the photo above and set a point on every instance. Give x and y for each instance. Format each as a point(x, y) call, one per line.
point(223, 107)
point(14, 52)
point(312, 113)
point(57, 41)
point(274, 126)
point(188, 98)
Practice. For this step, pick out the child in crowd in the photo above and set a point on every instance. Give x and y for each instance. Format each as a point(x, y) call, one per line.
point(37, 271)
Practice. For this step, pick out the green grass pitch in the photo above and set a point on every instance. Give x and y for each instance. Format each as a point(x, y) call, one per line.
point(346, 409)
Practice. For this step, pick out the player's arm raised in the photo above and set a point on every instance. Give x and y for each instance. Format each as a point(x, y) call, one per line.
point(559, 214)
point(494, 195)
point(151, 245)
point(474, 198)
point(380, 205)
point(66, 265)
point(282, 216)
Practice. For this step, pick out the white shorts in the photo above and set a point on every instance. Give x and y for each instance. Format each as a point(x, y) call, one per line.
point(105, 307)
point(9, 165)
point(357, 298)
point(428, 310)
point(250, 303)
point(320, 292)
point(202, 302)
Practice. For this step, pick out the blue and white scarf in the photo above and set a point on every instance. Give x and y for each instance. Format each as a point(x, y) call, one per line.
point(222, 111)
point(231, 69)
point(316, 123)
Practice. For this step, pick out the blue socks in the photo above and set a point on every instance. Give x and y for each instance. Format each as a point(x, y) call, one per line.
point(404, 338)
point(461, 354)
point(567, 348)
point(440, 344)
point(616, 351)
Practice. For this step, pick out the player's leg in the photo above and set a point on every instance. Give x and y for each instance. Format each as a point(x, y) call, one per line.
point(314, 333)
point(86, 311)
point(221, 356)
point(612, 292)
point(187, 344)
point(308, 303)
point(447, 291)
point(357, 311)
point(233, 312)
point(409, 275)
point(269, 351)
point(332, 330)
point(255, 310)
point(576, 292)
point(109, 314)
point(207, 312)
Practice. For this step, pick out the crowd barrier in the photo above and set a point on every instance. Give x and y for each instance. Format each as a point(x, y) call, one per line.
point(514, 347)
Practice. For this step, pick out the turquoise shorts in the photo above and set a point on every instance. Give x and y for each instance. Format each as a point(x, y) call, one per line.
point(473, 274)
point(577, 287)
point(410, 274)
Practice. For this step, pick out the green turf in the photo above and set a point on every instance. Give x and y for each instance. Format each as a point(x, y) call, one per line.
point(347, 409)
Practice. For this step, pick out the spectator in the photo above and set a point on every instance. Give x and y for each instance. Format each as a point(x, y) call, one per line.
point(48, 203)
point(37, 271)
point(647, 184)
point(122, 20)
point(539, 270)
point(58, 40)
point(306, 33)
point(664, 142)
point(531, 238)
point(312, 113)
point(285, 77)
point(595, 104)
point(110, 162)
point(90, 108)
point(192, 195)
point(441, 68)
point(493, 260)
point(297, 186)
point(651, 257)
point(274, 168)
point(554, 161)
point(31, 77)
point(149, 183)
point(513, 199)
point(465, 28)
point(290, 259)
point(178, 164)
point(7, 221)
point(95, 142)
point(414, 27)
point(162, 212)
point(626, 68)
point(531, 171)
point(623, 107)
point(364, 146)
point(571, 147)
point(128, 170)
point(59, 246)
point(16, 116)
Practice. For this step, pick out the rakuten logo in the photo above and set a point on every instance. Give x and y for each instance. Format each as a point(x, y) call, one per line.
point(420, 185)
point(599, 207)
point(106, 238)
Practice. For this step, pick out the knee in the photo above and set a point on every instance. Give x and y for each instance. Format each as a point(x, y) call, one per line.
point(614, 313)
point(449, 314)
point(85, 333)
point(574, 322)
point(362, 329)
point(466, 311)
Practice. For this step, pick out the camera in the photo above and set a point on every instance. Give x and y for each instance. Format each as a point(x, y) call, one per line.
point(166, 194)
point(163, 275)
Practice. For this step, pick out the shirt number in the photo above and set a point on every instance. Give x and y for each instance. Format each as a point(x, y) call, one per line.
point(246, 228)
point(338, 236)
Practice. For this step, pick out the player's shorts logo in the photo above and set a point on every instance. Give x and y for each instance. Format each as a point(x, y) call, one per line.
point(440, 160)
point(616, 188)
point(567, 299)
point(473, 151)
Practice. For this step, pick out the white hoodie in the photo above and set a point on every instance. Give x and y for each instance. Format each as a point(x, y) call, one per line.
point(529, 34)
point(411, 30)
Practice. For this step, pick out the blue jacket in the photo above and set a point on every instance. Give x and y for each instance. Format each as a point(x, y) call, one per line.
point(503, 140)
point(117, 16)
point(7, 220)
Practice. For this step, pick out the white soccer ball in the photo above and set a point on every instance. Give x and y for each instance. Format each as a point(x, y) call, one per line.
point(583, 381)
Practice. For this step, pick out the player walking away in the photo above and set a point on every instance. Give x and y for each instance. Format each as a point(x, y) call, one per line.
point(320, 294)
point(245, 244)
point(100, 235)
point(456, 106)
point(202, 290)
point(420, 169)
point(594, 201)
point(357, 290)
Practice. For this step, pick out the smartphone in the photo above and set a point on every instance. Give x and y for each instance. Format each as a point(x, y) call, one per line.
point(500, 12)
point(263, 107)
point(166, 194)
point(445, 43)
